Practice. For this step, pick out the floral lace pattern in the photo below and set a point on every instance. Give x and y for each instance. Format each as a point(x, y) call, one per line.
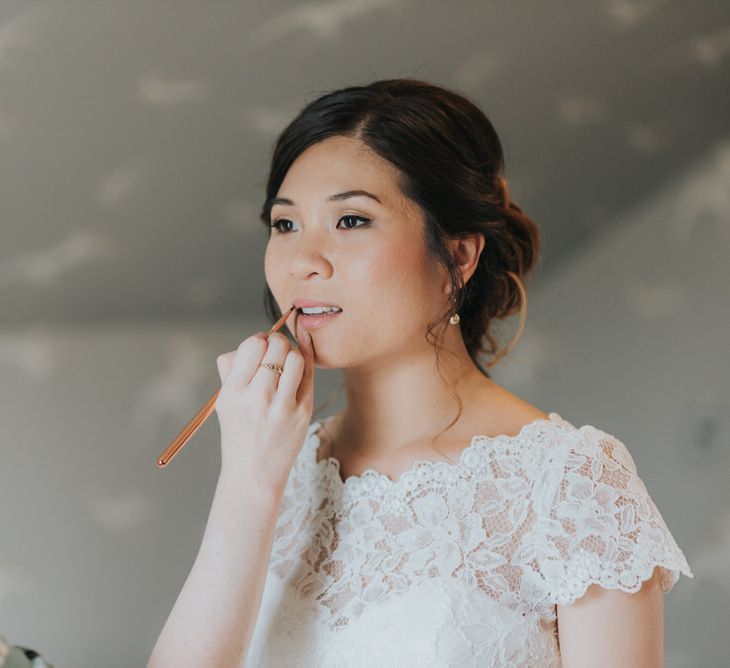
point(456, 564)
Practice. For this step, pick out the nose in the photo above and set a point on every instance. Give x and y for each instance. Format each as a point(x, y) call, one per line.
point(310, 255)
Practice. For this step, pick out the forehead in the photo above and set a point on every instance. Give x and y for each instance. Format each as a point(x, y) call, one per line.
point(339, 164)
point(337, 154)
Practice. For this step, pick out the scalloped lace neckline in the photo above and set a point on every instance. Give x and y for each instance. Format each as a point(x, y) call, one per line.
point(332, 464)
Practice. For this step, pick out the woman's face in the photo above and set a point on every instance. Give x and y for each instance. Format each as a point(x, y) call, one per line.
point(367, 257)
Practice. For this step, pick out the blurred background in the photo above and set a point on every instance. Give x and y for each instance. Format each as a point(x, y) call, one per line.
point(135, 139)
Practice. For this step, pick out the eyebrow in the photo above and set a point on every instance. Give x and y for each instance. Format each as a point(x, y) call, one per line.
point(332, 198)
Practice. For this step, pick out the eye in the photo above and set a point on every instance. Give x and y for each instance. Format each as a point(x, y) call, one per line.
point(365, 220)
point(278, 223)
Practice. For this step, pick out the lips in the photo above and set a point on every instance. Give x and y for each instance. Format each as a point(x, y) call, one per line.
point(316, 320)
point(306, 303)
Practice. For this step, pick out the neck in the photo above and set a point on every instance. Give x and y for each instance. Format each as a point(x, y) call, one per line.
point(403, 398)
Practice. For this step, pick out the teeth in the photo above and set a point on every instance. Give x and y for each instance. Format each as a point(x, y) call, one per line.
point(313, 310)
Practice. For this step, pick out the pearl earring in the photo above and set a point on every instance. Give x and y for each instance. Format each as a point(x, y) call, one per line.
point(454, 319)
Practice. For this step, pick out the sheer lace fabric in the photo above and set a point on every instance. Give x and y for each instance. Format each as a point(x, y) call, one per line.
point(456, 564)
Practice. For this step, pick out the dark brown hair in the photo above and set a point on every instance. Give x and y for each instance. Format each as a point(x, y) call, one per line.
point(450, 163)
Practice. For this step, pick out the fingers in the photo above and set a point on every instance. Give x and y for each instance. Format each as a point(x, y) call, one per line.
point(291, 377)
point(243, 367)
point(224, 363)
point(268, 379)
point(245, 360)
point(305, 392)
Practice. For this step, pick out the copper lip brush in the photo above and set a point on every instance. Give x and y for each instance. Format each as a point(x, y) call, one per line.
point(202, 415)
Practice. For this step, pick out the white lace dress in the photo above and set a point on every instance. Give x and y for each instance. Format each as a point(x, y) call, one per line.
point(456, 564)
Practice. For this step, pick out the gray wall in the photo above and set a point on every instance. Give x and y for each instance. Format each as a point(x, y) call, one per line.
point(134, 142)
point(629, 335)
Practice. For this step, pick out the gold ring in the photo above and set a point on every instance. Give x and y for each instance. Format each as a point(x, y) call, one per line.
point(273, 367)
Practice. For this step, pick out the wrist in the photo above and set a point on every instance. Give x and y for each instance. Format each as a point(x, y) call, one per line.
point(249, 487)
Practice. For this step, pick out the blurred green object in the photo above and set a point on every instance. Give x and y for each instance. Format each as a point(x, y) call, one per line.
point(12, 656)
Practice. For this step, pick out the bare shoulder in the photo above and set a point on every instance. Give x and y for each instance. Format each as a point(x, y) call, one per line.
point(494, 411)
point(490, 411)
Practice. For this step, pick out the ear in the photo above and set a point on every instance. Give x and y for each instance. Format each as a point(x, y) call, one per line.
point(466, 252)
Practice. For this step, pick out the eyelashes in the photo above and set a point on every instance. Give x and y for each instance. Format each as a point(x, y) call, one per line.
point(277, 223)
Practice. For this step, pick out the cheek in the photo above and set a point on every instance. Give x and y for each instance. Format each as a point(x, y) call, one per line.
point(397, 256)
point(274, 274)
point(388, 271)
point(396, 282)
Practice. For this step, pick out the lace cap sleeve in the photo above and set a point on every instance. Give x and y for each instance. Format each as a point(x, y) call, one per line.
point(602, 526)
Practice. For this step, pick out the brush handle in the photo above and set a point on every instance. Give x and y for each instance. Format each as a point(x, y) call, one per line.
point(188, 430)
point(204, 413)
